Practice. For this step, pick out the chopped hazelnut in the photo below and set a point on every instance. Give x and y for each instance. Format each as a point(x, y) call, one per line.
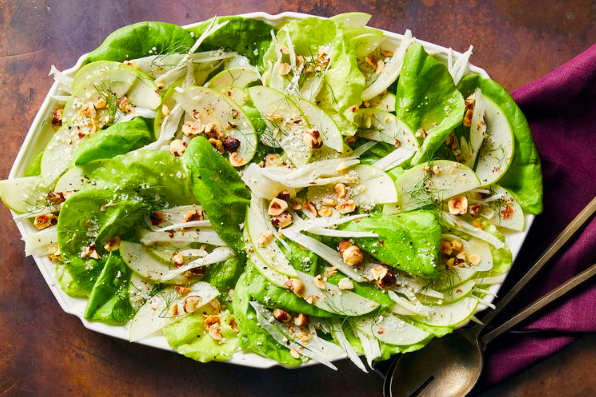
point(296, 286)
point(345, 283)
point(177, 147)
point(475, 209)
point(457, 245)
point(90, 252)
point(340, 190)
point(371, 61)
point(57, 118)
point(458, 205)
point(446, 248)
point(312, 139)
point(378, 272)
point(301, 320)
point(330, 271)
point(507, 212)
point(265, 238)
point(230, 144)
point(100, 103)
point(296, 206)
point(310, 207)
point(281, 315)
point(45, 220)
point(191, 303)
point(212, 131)
point(193, 215)
point(165, 110)
point(387, 53)
point(284, 68)
point(191, 129)
point(56, 198)
point(467, 122)
point(312, 299)
point(282, 220)
point(124, 105)
point(450, 263)
point(157, 218)
point(294, 353)
point(182, 290)
point(318, 281)
point(346, 207)
point(380, 66)
point(273, 159)
point(217, 145)
point(326, 211)
point(329, 201)
point(215, 332)
point(177, 259)
point(236, 160)
point(343, 244)
point(174, 311)
point(387, 281)
point(277, 206)
point(113, 244)
point(353, 255)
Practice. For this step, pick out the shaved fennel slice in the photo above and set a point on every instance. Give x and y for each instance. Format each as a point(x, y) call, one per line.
point(212, 28)
point(137, 112)
point(169, 127)
point(195, 236)
point(391, 71)
point(360, 150)
point(325, 252)
point(370, 345)
point(158, 311)
point(412, 308)
point(41, 243)
point(185, 225)
point(261, 185)
point(345, 344)
point(394, 159)
point(173, 216)
point(219, 254)
point(268, 324)
point(465, 227)
point(458, 68)
point(64, 82)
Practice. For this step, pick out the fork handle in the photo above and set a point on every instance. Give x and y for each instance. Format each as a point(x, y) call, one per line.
point(546, 256)
point(539, 304)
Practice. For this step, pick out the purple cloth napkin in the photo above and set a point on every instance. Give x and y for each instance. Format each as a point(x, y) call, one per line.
point(561, 111)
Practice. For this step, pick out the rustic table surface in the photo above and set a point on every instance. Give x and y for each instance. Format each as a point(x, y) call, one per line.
point(45, 352)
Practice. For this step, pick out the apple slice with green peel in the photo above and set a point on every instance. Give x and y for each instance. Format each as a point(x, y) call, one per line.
point(270, 253)
point(139, 291)
point(450, 295)
point(450, 315)
point(72, 180)
point(374, 187)
point(367, 42)
point(504, 211)
point(474, 246)
point(392, 330)
point(24, 194)
point(384, 101)
point(335, 300)
point(144, 264)
point(238, 77)
point(90, 72)
point(379, 125)
point(432, 182)
point(352, 19)
point(496, 152)
point(323, 123)
point(271, 275)
point(168, 101)
point(286, 124)
point(214, 107)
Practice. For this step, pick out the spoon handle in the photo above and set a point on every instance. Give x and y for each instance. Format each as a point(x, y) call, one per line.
point(546, 256)
point(540, 303)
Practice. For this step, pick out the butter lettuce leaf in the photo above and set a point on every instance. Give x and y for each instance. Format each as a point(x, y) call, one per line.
point(109, 299)
point(219, 189)
point(117, 139)
point(251, 335)
point(142, 39)
point(428, 100)
point(224, 275)
point(190, 338)
point(408, 241)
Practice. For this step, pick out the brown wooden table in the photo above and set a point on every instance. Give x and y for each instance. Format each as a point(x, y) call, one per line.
point(45, 352)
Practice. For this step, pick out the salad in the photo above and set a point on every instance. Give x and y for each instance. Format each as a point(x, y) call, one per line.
point(302, 192)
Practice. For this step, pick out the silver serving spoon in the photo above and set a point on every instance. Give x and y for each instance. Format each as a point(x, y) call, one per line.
point(450, 366)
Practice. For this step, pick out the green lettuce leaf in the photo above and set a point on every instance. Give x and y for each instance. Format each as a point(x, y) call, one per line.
point(109, 300)
point(301, 259)
point(219, 189)
point(408, 241)
point(224, 275)
point(142, 39)
point(524, 176)
point(248, 37)
point(252, 336)
point(92, 217)
point(67, 283)
point(428, 100)
point(344, 81)
point(261, 290)
point(157, 176)
point(190, 338)
point(117, 139)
